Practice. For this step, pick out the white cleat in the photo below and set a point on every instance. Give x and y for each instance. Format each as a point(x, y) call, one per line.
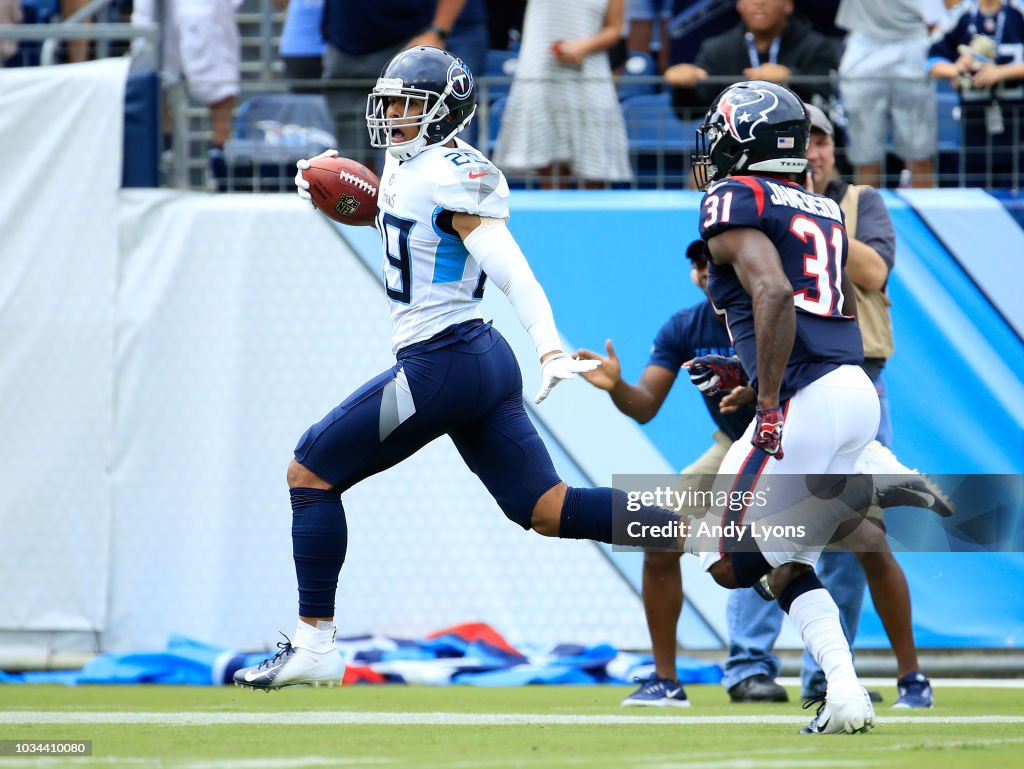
point(849, 711)
point(897, 485)
point(293, 666)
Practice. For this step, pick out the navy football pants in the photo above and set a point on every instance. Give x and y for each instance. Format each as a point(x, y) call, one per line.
point(465, 383)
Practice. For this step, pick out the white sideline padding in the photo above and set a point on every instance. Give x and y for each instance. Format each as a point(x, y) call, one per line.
point(234, 322)
point(243, 319)
point(60, 155)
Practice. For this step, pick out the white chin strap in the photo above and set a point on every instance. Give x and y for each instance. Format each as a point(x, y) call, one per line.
point(410, 149)
point(413, 147)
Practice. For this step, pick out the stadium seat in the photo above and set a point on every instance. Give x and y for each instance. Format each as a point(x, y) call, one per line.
point(271, 132)
point(500, 64)
point(652, 125)
point(659, 142)
point(638, 67)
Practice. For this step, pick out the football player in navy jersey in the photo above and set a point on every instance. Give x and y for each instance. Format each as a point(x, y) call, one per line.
point(442, 212)
point(776, 274)
point(690, 334)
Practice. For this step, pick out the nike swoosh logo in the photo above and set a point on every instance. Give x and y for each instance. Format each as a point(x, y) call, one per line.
point(252, 675)
point(673, 693)
point(479, 175)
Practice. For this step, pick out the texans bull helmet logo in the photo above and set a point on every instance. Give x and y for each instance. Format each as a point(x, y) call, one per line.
point(743, 110)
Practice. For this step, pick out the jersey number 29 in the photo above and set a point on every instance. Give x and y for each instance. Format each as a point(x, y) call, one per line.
point(396, 244)
point(396, 238)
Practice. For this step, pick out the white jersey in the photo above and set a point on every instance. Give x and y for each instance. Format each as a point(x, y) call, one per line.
point(431, 281)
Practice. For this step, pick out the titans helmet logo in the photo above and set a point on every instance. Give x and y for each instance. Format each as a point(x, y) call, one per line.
point(744, 109)
point(460, 80)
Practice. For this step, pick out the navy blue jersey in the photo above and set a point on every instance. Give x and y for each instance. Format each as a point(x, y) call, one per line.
point(1005, 28)
point(808, 232)
point(691, 333)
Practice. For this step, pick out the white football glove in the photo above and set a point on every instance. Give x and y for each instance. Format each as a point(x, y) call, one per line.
point(558, 368)
point(301, 185)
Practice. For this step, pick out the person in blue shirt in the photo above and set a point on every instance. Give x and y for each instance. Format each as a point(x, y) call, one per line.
point(302, 42)
point(690, 333)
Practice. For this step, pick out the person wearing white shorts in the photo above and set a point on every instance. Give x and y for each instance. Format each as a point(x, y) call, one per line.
point(884, 85)
point(201, 46)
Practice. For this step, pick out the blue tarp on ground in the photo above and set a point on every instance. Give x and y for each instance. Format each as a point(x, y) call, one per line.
point(471, 654)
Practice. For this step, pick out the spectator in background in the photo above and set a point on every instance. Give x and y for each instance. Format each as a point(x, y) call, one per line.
point(688, 334)
point(469, 41)
point(302, 42)
point(563, 117)
point(200, 44)
point(884, 84)
point(768, 44)
point(648, 21)
point(362, 37)
point(505, 23)
point(10, 13)
point(77, 50)
point(871, 255)
point(979, 52)
point(936, 13)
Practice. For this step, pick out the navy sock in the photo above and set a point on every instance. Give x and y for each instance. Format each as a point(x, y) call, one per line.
point(319, 543)
point(802, 583)
point(602, 514)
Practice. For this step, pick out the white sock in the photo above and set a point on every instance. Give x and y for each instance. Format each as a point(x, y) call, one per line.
point(318, 639)
point(816, 616)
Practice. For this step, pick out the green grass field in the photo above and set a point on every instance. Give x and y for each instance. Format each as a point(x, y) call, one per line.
point(396, 726)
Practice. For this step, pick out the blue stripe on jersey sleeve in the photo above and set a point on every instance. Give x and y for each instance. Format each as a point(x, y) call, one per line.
point(451, 256)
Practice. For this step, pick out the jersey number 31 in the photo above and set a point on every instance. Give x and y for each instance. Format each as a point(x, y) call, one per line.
point(823, 264)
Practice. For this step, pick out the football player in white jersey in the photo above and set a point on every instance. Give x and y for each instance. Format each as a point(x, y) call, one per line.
point(442, 209)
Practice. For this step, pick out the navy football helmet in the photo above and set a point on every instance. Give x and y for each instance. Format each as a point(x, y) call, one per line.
point(444, 85)
point(751, 126)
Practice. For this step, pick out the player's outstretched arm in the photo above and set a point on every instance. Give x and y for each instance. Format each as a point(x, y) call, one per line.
point(492, 247)
point(640, 401)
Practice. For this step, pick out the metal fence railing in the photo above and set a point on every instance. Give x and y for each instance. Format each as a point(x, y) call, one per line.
point(660, 138)
point(659, 123)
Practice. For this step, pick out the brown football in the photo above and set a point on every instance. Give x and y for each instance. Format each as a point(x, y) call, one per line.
point(343, 189)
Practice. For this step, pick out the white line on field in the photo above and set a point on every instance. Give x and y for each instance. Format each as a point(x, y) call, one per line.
point(331, 717)
point(937, 683)
point(307, 762)
point(753, 763)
